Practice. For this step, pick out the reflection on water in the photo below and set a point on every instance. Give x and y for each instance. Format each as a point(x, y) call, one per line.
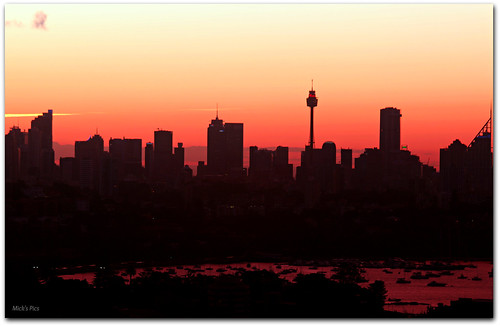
point(413, 297)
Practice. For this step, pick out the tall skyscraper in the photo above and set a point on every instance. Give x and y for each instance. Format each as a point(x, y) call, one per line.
point(126, 159)
point(88, 160)
point(15, 147)
point(346, 158)
point(224, 148)
point(163, 157)
point(41, 153)
point(390, 131)
point(148, 160)
point(234, 147)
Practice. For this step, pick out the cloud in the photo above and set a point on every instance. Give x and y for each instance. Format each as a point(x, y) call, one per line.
point(22, 115)
point(40, 19)
point(13, 23)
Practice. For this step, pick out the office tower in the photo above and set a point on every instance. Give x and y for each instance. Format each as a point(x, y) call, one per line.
point(390, 133)
point(346, 158)
point(261, 163)
point(126, 159)
point(15, 147)
point(41, 153)
point(179, 159)
point(282, 171)
point(216, 147)
point(88, 161)
point(224, 148)
point(148, 160)
point(480, 163)
point(163, 156)
point(452, 168)
point(312, 102)
point(234, 147)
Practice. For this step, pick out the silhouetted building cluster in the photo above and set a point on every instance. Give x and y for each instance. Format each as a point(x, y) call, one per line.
point(389, 167)
point(29, 155)
point(464, 169)
point(467, 171)
point(267, 165)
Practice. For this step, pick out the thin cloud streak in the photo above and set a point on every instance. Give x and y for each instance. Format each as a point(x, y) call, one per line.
point(13, 23)
point(21, 115)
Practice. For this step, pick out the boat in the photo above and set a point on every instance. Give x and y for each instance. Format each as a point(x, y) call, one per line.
point(387, 271)
point(436, 284)
point(210, 269)
point(462, 277)
point(402, 280)
point(476, 278)
point(419, 276)
point(221, 270)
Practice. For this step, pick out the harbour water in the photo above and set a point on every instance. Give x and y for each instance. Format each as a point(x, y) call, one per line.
point(474, 281)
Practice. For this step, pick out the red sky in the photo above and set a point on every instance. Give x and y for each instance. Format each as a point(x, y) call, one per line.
point(130, 69)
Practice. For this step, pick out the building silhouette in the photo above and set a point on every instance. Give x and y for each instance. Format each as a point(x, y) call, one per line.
point(224, 148)
point(16, 149)
point(40, 151)
point(388, 167)
point(148, 161)
point(163, 156)
point(89, 157)
point(466, 172)
point(390, 129)
point(126, 160)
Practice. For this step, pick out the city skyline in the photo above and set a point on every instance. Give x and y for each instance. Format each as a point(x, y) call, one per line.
point(367, 58)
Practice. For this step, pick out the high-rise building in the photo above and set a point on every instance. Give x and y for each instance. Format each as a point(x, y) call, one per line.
point(148, 160)
point(162, 154)
point(452, 168)
point(41, 153)
point(346, 158)
point(88, 161)
point(224, 148)
point(15, 151)
point(234, 148)
point(390, 131)
point(126, 159)
point(261, 163)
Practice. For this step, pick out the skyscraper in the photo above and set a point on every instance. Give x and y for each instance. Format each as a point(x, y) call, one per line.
point(126, 159)
point(15, 145)
point(163, 157)
point(148, 160)
point(41, 153)
point(346, 158)
point(224, 148)
point(88, 160)
point(234, 147)
point(390, 132)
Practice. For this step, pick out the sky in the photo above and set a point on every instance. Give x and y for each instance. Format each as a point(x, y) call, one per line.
point(128, 70)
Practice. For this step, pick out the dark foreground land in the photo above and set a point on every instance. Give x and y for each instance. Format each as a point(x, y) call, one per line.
point(58, 225)
point(253, 294)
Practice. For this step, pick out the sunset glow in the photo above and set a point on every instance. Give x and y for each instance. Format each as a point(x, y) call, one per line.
point(130, 69)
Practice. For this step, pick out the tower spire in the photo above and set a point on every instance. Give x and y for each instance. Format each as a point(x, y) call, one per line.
point(217, 111)
point(312, 84)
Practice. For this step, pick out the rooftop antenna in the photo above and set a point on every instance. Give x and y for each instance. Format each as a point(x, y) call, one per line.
point(312, 84)
point(217, 111)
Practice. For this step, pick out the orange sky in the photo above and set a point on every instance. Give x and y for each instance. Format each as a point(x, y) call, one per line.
point(130, 69)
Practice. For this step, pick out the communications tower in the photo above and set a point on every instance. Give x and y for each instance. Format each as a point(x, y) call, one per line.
point(312, 102)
